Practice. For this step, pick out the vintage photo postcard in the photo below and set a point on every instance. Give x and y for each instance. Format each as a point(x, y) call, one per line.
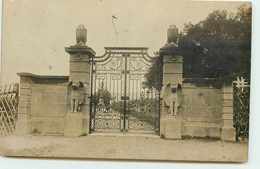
point(165, 80)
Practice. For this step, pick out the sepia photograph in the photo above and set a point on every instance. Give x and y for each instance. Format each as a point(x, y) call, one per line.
point(149, 80)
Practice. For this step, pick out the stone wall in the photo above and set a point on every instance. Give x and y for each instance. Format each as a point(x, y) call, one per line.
point(201, 111)
point(204, 111)
point(43, 102)
point(49, 102)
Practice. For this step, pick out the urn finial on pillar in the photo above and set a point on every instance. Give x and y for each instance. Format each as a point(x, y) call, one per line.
point(81, 35)
point(172, 34)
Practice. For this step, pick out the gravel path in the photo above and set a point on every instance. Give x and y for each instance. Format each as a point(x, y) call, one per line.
point(124, 147)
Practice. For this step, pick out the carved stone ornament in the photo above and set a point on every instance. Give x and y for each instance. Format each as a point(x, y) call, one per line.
point(77, 96)
point(170, 99)
point(81, 35)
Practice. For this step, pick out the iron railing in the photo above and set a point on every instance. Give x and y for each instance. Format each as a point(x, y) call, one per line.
point(241, 95)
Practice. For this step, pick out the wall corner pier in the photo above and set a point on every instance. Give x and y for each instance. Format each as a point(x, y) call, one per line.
point(228, 132)
point(24, 105)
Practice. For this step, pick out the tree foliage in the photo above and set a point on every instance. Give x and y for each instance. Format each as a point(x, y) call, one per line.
point(217, 47)
point(155, 75)
point(227, 37)
point(103, 94)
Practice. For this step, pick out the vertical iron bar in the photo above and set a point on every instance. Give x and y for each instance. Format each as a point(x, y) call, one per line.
point(125, 88)
point(91, 96)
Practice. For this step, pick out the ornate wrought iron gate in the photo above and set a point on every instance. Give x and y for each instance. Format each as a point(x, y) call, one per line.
point(8, 108)
point(120, 101)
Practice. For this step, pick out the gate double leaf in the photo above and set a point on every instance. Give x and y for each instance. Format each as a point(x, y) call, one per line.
point(120, 100)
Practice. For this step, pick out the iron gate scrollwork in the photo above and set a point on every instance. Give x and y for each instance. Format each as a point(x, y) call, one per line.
point(120, 102)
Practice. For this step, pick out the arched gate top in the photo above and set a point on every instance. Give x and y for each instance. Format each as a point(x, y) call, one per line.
point(121, 51)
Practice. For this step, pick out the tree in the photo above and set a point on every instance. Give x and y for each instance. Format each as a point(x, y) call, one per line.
point(227, 37)
point(154, 77)
point(103, 94)
point(218, 47)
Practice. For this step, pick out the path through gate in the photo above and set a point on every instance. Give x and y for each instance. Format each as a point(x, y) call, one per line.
point(120, 100)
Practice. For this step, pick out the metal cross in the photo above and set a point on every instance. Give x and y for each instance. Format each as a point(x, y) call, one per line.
point(241, 83)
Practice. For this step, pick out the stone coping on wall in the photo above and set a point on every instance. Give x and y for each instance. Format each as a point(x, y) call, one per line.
point(44, 78)
point(201, 86)
point(27, 74)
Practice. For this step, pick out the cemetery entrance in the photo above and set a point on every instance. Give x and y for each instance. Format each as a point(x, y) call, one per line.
point(120, 99)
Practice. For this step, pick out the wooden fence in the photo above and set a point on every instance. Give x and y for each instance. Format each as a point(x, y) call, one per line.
point(8, 108)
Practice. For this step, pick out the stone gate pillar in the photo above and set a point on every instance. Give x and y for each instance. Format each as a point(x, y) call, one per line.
point(172, 70)
point(78, 114)
point(171, 125)
point(228, 131)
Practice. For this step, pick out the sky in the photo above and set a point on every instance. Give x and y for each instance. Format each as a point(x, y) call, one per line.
point(35, 32)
